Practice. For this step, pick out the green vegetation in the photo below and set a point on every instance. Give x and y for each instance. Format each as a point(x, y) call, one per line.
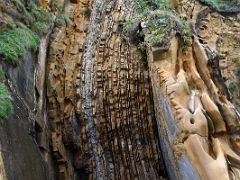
point(62, 20)
point(42, 19)
point(2, 75)
point(35, 17)
point(126, 25)
point(161, 24)
point(40, 14)
point(221, 4)
point(40, 28)
point(232, 87)
point(144, 5)
point(141, 6)
point(19, 38)
point(14, 43)
point(5, 101)
point(5, 97)
point(55, 5)
point(19, 6)
point(160, 20)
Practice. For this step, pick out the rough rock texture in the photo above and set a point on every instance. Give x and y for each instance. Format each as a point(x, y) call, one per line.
point(98, 108)
point(201, 123)
point(24, 131)
point(20, 154)
point(103, 121)
point(100, 99)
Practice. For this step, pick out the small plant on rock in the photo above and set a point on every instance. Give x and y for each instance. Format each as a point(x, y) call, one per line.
point(5, 101)
point(62, 20)
point(232, 88)
point(55, 5)
point(141, 5)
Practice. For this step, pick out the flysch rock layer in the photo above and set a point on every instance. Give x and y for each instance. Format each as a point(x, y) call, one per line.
point(101, 104)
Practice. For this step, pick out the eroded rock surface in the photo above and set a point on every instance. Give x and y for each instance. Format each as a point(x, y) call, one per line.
point(100, 100)
point(194, 82)
point(99, 107)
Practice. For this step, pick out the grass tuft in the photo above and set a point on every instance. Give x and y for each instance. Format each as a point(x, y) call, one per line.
point(2, 75)
point(5, 101)
point(14, 43)
point(160, 20)
point(40, 28)
point(41, 14)
point(62, 20)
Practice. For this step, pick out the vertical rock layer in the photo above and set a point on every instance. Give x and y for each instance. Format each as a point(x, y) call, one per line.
point(100, 99)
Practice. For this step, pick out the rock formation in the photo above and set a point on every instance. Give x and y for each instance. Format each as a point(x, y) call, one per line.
point(100, 100)
point(122, 92)
point(205, 119)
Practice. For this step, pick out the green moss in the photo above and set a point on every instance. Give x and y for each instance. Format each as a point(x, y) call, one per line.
point(5, 101)
point(14, 43)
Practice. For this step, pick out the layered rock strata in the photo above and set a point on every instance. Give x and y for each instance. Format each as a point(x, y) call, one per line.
point(100, 100)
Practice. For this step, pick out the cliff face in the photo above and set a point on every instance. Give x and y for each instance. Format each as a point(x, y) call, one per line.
point(20, 154)
point(100, 95)
point(195, 84)
point(143, 89)
point(100, 99)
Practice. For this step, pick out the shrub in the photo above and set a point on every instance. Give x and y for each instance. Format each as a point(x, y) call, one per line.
point(232, 87)
point(5, 101)
point(14, 43)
